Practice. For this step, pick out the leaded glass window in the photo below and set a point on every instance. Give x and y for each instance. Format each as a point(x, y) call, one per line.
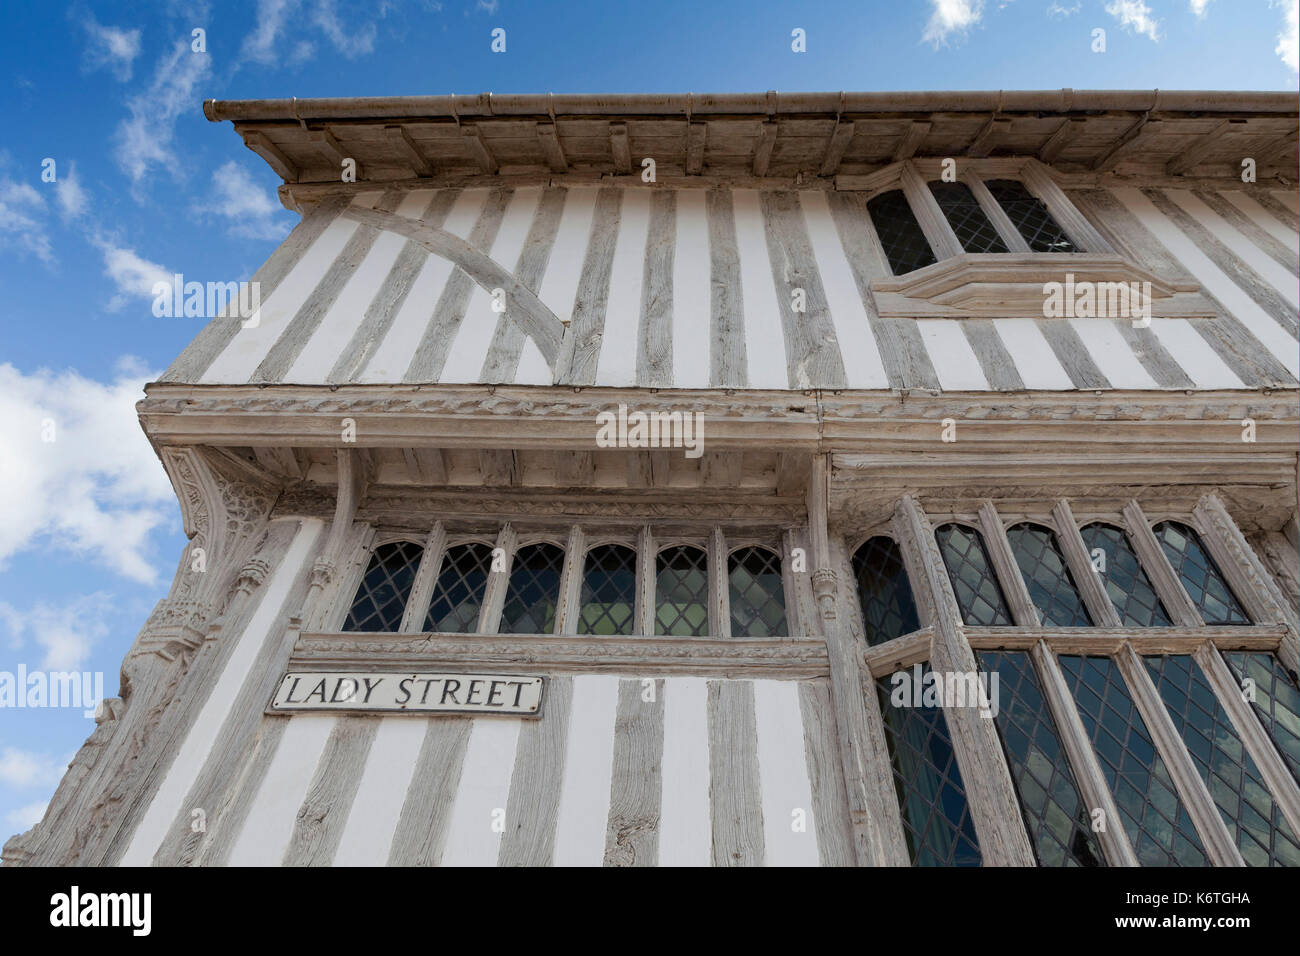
point(458, 594)
point(900, 234)
point(968, 220)
point(1273, 695)
point(534, 590)
point(1051, 586)
point(1158, 827)
point(888, 608)
point(682, 592)
point(1030, 216)
point(757, 593)
point(931, 797)
point(1056, 817)
point(973, 582)
point(380, 601)
point(608, 591)
point(1247, 808)
point(1127, 584)
point(1199, 574)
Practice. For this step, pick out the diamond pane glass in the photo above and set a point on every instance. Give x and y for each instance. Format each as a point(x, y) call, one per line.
point(608, 591)
point(900, 234)
point(1161, 832)
point(1247, 808)
point(1276, 700)
point(757, 595)
point(1058, 822)
point(968, 220)
point(978, 594)
point(1051, 587)
point(1126, 583)
point(458, 595)
point(534, 590)
point(888, 608)
point(381, 599)
point(1199, 574)
point(936, 819)
point(1028, 214)
point(682, 592)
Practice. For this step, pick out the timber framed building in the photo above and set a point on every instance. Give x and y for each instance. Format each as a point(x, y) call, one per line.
point(906, 467)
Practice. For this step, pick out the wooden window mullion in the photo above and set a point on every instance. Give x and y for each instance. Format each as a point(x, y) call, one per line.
point(494, 595)
point(426, 576)
point(1005, 567)
point(1159, 571)
point(1092, 589)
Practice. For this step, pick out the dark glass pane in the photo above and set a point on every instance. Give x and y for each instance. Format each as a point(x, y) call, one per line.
point(1126, 583)
point(1028, 214)
point(381, 598)
point(888, 608)
point(534, 590)
point(608, 591)
point(1058, 822)
point(1199, 574)
point(1275, 699)
point(936, 819)
point(458, 595)
point(1051, 587)
point(973, 581)
point(682, 592)
point(900, 234)
point(757, 596)
point(1247, 808)
point(1157, 824)
point(974, 230)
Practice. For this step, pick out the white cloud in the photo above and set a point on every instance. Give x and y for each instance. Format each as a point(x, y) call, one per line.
point(133, 275)
point(26, 768)
point(248, 209)
point(1198, 7)
point(487, 6)
point(66, 631)
point(97, 490)
point(1288, 39)
point(259, 46)
point(24, 818)
point(1135, 15)
point(951, 17)
point(350, 35)
point(353, 40)
point(69, 195)
point(22, 226)
point(110, 47)
point(1056, 10)
point(145, 138)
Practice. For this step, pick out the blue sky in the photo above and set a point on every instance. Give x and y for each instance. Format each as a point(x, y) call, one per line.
point(144, 186)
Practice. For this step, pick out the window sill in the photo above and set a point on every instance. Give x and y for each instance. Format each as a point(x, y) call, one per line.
point(1012, 285)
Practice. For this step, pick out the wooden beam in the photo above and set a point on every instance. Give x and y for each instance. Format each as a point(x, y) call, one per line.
point(425, 466)
point(1092, 590)
point(498, 467)
point(570, 603)
point(1198, 150)
point(401, 140)
point(646, 581)
point(1014, 588)
point(1077, 226)
point(575, 469)
point(261, 144)
point(1065, 133)
point(989, 137)
point(929, 216)
point(618, 144)
point(696, 135)
point(426, 576)
point(549, 141)
point(839, 142)
point(1152, 558)
point(791, 473)
point(912, 138)
point(763, 149)
point(332, 146)
point(1128, 142)
point(478, 149)
point(1276, 148)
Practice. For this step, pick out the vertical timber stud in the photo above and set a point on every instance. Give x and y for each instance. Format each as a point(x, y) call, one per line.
point(1083, 761)
point(1218, 842)
point(873, 808)
point(647, 581)
point(1152, 558)
point(1253, 736)
point(575, 562)
point(989, 791)
point(417, 605)
point(494, 595)
point(1086, 576)
point(351, 487)
point(719, 579)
